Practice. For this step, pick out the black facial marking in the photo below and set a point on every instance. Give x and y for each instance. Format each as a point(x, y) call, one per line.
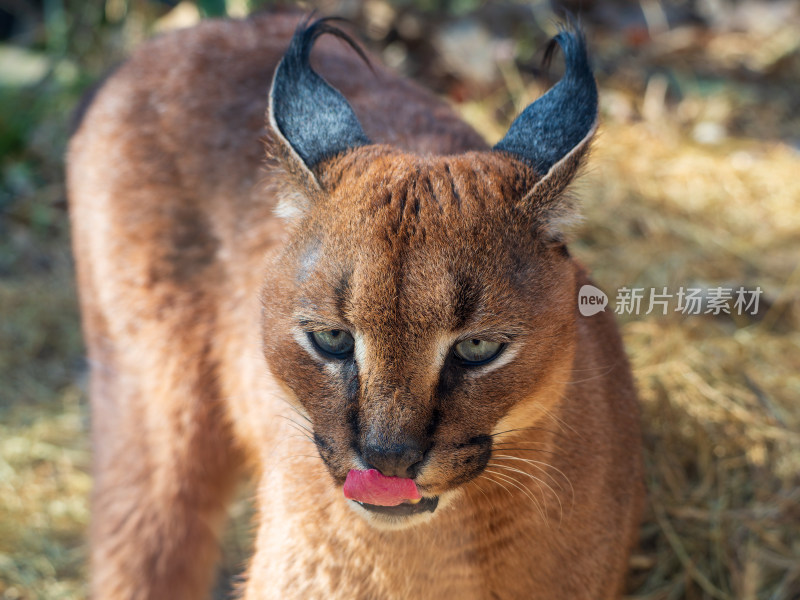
point(433, 425)
point(479, 451)
point(351, 381)
point(352, 412)
point(456, 195)
point(341, 294)
point(403, 510)
point(450, 377)
point(467, 298)
point(323, 446)
point(481, 440)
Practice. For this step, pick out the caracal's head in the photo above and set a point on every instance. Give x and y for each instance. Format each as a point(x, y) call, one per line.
point(424, 304)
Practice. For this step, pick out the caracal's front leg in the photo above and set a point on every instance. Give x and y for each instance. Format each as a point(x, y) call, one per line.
point(164, 470)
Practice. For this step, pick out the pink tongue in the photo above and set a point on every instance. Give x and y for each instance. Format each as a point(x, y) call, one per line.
point(370, 487)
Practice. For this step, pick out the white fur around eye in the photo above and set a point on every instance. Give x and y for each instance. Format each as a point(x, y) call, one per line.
point(360, 351)
point(301, 337)
point(443, 348)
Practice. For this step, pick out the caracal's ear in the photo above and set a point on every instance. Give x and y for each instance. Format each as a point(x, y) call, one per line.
point(310, 120)
point(553, 134)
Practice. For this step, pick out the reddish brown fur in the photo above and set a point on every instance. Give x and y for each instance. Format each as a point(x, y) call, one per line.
point(178, 256)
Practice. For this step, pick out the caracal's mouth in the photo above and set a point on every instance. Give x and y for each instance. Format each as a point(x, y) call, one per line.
point(405, 509)
point(388, 496)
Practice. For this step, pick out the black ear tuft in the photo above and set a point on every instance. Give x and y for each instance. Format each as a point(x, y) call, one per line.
point(313, 117)
point(562, 119)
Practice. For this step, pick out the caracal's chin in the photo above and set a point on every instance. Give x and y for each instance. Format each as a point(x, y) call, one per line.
point(405, 516)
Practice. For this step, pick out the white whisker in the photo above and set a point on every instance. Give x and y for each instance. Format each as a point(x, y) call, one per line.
point(525, 490)
point(539, 483)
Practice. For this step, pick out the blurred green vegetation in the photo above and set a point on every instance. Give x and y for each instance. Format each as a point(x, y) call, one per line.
point(693, 180)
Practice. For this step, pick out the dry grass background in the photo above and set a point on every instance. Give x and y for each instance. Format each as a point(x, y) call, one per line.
point(664, 206)
point(720, 398)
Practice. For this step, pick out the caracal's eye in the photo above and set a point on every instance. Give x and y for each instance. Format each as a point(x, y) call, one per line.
point(336, 343)
point(477, 352)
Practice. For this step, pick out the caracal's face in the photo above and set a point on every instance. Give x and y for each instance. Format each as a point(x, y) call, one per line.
point(417, 313)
